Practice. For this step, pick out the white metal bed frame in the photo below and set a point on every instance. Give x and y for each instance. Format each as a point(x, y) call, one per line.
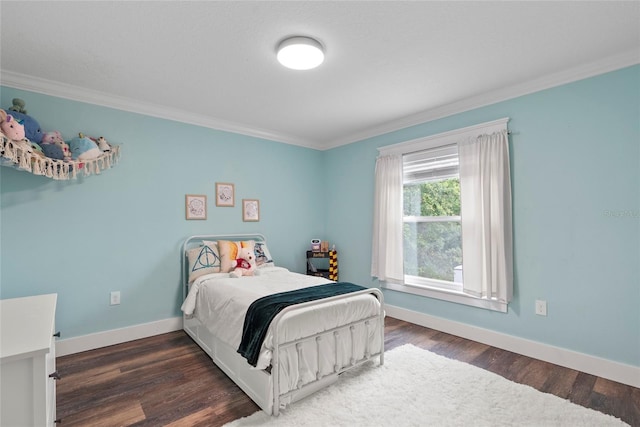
point(261, 386)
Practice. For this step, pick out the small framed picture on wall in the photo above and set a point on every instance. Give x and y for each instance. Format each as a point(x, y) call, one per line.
point(196, 206)
point(250, 210)
point(225, 194)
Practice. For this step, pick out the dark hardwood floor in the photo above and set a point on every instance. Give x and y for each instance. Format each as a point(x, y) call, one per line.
point(167, 380)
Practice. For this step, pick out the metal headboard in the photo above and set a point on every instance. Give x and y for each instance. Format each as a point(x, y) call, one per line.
point(194, 241)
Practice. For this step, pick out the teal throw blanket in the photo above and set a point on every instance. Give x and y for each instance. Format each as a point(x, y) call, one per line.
point(262, 311)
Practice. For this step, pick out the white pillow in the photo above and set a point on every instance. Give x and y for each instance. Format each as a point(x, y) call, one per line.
point(203, 260)
point(263, 256)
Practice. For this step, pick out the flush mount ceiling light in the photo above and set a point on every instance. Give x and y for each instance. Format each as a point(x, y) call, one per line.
point(300, 53)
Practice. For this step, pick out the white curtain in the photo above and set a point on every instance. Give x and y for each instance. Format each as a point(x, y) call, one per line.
point(485, 195)
point(386, 257)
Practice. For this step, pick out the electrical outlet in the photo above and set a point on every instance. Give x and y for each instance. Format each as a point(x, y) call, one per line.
point(541, 307)
point(115, 297)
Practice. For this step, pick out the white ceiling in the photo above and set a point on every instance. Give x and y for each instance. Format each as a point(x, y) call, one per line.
point(389, 64)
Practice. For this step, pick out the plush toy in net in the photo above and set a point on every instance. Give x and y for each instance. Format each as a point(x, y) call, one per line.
point(32, 129)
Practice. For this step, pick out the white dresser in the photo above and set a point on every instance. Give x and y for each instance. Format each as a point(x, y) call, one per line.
point(28, 361)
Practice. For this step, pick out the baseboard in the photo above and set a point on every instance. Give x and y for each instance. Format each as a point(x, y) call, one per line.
point(116, 336)
point(615, 371)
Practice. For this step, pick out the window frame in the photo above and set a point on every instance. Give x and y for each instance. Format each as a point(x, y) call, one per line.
point(424, 287)
point(436, 284)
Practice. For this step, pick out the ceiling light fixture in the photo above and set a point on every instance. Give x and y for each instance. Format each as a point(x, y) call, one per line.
point(300, 53)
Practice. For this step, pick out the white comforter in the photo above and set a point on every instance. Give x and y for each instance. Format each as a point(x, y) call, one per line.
point(221, 302)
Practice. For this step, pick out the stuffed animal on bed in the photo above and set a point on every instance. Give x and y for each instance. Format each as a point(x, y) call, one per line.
point(245, 263)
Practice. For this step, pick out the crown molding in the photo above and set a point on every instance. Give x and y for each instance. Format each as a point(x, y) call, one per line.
point(76, 93)
point(444, 138)
point(548, 81)
point(80, 94)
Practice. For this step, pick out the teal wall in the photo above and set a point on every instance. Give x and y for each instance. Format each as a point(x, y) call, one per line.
point(122, 230)
point(576, 215)
point(575, 165)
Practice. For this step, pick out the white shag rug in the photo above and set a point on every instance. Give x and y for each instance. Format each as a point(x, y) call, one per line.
point(416, 387)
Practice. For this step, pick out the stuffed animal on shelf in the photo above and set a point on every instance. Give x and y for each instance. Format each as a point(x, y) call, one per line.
point(101, 142)
point(103, 145)
point(10, 127)
point(54, 147)
point(14, 131)
point(32, 129)
point(83, 148)
point(51, 137)
point(246, 262)
point(37, 150)
point(18, 106)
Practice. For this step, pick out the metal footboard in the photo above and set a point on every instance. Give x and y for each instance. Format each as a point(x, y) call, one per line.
point(264, 387)
point(334, 334)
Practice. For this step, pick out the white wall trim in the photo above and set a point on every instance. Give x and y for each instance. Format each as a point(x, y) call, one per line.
point(444, 138)
point(77, 93)
point(615, 371)
point(80, 94)
point(447, 295)
point(116, 336)
point(605, 65)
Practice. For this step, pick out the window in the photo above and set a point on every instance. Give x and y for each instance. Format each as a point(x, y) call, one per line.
point(441, 200)
point(432, 234)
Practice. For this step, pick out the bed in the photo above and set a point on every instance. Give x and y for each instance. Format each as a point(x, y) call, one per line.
point(306, 346)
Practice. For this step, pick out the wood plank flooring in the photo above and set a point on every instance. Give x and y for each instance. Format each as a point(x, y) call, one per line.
point(167, 380)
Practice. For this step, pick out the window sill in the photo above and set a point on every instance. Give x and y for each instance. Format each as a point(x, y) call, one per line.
point(447, 295)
